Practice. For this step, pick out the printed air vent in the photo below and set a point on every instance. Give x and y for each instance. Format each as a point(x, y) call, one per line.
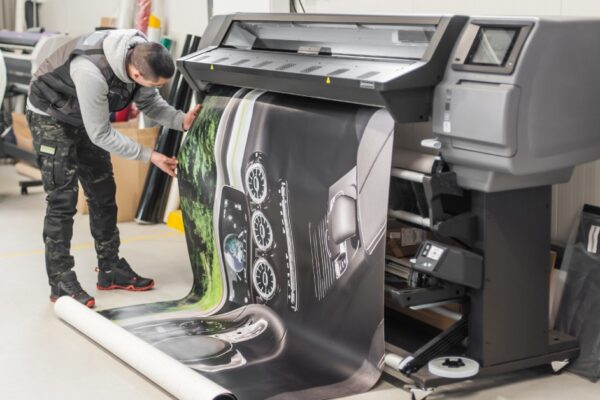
point(310, 69)
point(220, 60)
point(262, 231)
point(368, 75)
point(262, 64)
point(323, 267)
point(240, 62)
point(338, 71)
point(285, 66)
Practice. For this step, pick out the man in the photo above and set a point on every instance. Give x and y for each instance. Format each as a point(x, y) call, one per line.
point(71, 96)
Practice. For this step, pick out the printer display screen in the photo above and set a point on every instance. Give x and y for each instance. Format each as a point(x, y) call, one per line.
point(492, 46)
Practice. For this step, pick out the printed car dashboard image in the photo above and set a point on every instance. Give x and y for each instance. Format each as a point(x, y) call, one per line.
point(272, 212)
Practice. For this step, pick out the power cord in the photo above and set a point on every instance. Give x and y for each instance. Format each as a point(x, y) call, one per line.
point(294, 8)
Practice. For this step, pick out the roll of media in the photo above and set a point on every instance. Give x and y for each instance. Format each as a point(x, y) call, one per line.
point(454, 367)
point(2, 78)
point(156, 188)
point(170, 374)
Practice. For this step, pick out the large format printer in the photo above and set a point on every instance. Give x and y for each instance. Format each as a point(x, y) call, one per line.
point(501, 109)
point(23, 52)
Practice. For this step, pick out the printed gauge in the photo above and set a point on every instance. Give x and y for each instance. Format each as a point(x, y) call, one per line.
point(256, 183)
point(234, 253)
point(263, 277)
point(262, 232)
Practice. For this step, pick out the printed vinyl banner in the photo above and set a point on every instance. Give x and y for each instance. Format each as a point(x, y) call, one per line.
point(285, 206)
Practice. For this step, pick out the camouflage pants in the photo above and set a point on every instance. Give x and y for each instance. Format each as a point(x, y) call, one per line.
point(65, 155)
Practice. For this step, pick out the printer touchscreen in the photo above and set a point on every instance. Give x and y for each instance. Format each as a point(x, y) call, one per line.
point(492, 46)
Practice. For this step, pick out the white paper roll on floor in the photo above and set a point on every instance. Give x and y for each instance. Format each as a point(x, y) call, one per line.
point(2, 78)
point(176, 378)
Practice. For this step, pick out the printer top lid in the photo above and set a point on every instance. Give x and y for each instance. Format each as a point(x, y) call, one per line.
point(386, 61)
point(21, 40)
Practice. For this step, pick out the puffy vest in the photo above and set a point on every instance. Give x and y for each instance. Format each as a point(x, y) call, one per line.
point(52, 90)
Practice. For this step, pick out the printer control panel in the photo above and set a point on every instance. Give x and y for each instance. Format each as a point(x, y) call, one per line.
point(429, 256)
point(450, 263)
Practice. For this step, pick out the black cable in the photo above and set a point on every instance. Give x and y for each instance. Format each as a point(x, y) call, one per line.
point(293, 7)
point(302, 5)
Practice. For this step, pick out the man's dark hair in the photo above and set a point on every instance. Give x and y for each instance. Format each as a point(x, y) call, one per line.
point(153, 60)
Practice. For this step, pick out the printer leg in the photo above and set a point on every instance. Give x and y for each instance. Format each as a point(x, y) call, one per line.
point(509, 314)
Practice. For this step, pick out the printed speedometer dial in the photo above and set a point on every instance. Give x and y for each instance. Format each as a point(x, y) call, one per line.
point(263, 278)
point(262, 231)
point(256, 183)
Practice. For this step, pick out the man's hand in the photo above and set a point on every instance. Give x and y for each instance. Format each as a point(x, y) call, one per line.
point(167, 164)
point(190, 117)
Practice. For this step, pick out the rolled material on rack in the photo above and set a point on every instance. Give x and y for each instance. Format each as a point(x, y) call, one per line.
point(410, 217)
point(439, 310)
point(143, 15)
point(126, 13)
point(154, 29)
point(394, 361)
point(2, 78)
point(415, 161)
point(20, 25)
point(408, 175)
point(173, 376)
point(154, 197)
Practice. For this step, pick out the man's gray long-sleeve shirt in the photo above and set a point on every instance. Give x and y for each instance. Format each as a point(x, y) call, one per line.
point(92, 91)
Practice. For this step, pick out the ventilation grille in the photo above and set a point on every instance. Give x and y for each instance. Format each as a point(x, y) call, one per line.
point(323, 267)
point(310, 69)
point(220, 60)
point(368, 75)
point(338, 71)
point(262, 64)
point(285, 66)
point(240, 62)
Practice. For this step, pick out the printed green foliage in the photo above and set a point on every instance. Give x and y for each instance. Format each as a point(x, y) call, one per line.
point(197, 182)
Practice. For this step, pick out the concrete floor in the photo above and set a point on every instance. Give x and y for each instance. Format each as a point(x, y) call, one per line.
point(42, 358)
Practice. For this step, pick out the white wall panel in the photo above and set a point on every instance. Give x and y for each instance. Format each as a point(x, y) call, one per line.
point(76, 17)
point(358, 6)
point(517, 7)
point(581, 7)
point(233, 6)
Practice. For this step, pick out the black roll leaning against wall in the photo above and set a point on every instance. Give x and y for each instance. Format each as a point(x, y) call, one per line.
point(151, 207)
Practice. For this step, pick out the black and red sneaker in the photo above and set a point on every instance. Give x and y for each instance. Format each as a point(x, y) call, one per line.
point(121, 276)
point(68, 285)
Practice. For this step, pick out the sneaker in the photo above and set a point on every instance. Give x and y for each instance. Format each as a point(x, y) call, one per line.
point(121, 276)
point(68, 285)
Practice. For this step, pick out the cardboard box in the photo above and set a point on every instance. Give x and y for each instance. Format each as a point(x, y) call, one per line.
point(108, 22)
point(22, 132)
point(403, 240)
point(130, 175)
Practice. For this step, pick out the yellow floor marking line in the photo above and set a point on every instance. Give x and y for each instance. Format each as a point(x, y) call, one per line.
point(90, 245)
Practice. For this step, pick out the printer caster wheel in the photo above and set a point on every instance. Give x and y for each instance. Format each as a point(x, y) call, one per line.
point(420, 394)
point(558, 367)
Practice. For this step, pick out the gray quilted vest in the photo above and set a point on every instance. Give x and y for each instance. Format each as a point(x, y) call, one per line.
point(52, 89)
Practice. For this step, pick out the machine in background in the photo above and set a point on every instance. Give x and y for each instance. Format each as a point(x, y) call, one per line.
point(23, 52)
